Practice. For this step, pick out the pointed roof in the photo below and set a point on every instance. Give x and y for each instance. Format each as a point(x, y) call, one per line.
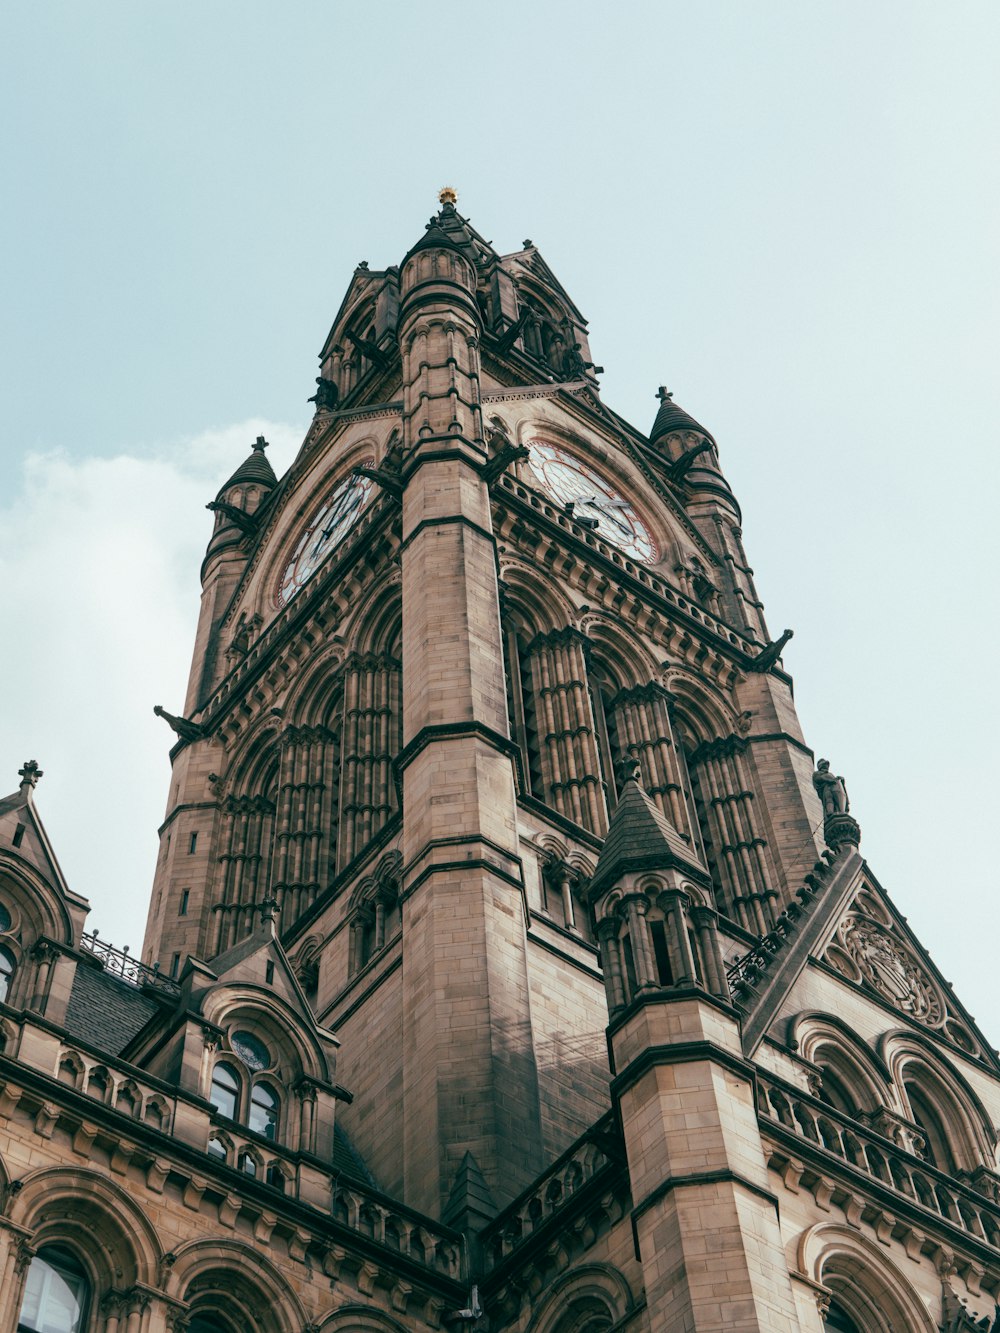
point(22, 831)
point(640, 837)
point(672, 417)
point(255, 468)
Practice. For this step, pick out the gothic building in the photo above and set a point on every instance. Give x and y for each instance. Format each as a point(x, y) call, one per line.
point(510, 963)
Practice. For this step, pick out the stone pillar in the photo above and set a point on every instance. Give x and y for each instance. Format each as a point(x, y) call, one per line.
point(469, 1078)
point(704, 1215)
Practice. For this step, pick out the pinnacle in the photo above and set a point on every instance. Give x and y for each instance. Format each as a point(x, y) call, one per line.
point(639, 837)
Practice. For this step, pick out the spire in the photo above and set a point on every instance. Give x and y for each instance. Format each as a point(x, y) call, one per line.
point(255, 468)
point(672, 418)
point(640, 837)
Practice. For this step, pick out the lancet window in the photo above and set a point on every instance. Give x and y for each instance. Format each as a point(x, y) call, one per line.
point(375, 916)
point(735, 848)
point(247, 845)
point(372, 719)
point(308, 785)
point(7, 969)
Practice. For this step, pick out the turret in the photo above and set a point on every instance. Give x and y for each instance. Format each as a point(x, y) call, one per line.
point(470, 1100)
point(703, 1210)
point(236, 508)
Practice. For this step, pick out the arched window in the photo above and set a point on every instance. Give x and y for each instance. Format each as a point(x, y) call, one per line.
point(937, 1147)
point(56, 1294)
point(217, 1149)
point(839, 1321)
point(263, 1117)
point(7, 965)
point(5, 920)
point(225, 1093)
point(521, 705)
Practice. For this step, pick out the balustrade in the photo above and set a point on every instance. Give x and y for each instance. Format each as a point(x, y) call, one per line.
point(837, 1134)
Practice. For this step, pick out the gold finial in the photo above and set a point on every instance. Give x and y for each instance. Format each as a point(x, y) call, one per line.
point(447, 195)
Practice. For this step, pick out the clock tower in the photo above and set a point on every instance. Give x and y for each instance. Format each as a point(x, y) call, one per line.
point(510, 958)
point(422, 657)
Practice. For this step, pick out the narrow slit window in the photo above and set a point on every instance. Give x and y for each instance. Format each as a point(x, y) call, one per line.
point(193, 844)
point(185, 898)
point(18, 835)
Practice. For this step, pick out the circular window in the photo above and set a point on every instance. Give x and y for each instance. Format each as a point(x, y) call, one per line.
point(5, 919)
point(251, 1050)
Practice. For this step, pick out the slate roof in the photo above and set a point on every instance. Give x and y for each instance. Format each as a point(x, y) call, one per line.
point(640, 837)
point(104, 1012)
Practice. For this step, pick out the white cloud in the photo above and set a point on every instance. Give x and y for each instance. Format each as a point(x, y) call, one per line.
point(99, 561)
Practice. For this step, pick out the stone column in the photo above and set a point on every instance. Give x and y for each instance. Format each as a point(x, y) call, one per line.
point(642, 720)
point(305, 820)
point(571, 767)
point(370, 743)
point(747, 878)
point(469, 1078)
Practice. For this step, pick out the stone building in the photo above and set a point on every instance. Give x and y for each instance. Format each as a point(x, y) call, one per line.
point(510, 964)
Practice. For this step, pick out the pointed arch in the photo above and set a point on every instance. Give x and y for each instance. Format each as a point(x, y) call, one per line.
point(862, 1279)
point(37, 907)
point(533, 600)
point(588, 1299)
point(939, 1100)
point(850, 1070)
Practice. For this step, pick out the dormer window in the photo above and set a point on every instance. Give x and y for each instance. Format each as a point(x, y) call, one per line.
point(243, 1096)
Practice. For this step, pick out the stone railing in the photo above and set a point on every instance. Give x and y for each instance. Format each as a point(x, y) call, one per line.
point(549, 1196)
point(121, 964)
point(388, 1223)
point(746, 971)
point(828, 1137)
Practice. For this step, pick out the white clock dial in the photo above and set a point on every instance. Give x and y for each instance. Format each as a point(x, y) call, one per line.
point(328, 526)
point(570, 481)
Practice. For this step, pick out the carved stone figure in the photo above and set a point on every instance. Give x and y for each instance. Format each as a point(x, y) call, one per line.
point(831, 790)
point(326, 396)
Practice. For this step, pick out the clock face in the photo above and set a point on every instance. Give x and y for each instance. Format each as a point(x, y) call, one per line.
point(568, 480)
point(328, 526)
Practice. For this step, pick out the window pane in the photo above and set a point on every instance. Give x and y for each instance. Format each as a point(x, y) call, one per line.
point(55, 1294)
point(5, 921)
point(264, 1111)
point(6, 971)
point(225, 1091)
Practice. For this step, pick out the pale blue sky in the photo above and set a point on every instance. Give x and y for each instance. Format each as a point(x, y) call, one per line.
point(788, 212)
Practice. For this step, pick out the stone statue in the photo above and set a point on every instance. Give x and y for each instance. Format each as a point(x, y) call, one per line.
point(831, 790)
point(326, 395)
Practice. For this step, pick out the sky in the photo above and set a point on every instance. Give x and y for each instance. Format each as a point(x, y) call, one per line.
point(787, 212)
